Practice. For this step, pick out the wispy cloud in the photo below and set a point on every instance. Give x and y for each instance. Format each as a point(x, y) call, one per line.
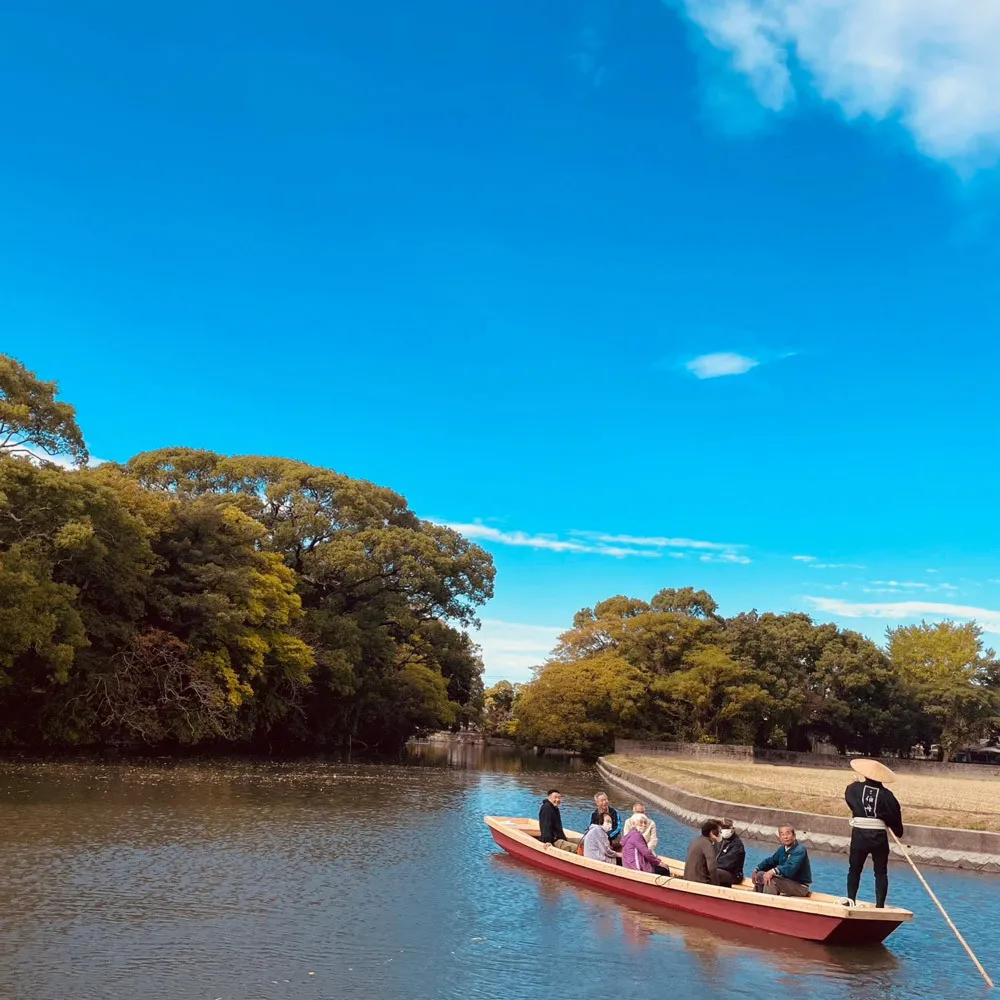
point(511, 649)
point(657, 541)
point(906, 610)
point(819, 565)
point(717, 365)
point(725, 557)
point(805, 559)
point(932, 65)
point(551, 543)
point(602, 543)
point(901, 586)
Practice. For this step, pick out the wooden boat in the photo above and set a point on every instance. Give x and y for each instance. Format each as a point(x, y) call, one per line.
point(819, 917)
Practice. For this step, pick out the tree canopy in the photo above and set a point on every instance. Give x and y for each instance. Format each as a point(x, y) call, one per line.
point(186, 597)
point(673, 668)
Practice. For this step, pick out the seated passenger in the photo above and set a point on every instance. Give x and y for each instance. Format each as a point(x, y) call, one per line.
point(730, 855)
point(596, 844)
point(787, 871)
point(700, 865)
point(550, 828)
point(649, 833)
point(604, 808)
point(636, 853)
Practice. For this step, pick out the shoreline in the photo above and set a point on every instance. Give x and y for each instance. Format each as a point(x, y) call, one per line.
point(945, 847)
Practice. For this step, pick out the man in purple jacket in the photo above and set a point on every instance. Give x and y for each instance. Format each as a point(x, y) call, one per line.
point(635, 851)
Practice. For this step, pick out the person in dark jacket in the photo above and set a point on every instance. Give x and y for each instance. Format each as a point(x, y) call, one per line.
point(730, 855)
point(786, 872)
point(700, 865)
point(604, 808)
point(874, 810)
point(550, 823)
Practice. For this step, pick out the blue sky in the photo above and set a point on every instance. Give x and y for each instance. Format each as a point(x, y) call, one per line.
point(644, 294)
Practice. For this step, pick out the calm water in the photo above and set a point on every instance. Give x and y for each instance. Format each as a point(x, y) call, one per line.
point(249, 881)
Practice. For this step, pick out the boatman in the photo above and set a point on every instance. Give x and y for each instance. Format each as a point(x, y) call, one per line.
point(874, 808)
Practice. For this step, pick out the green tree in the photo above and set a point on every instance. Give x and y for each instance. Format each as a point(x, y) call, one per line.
point(380, 589)
point(31, 418)
point(952, 676)
point(583, 704)
point(498, 709)
point(715, 697)
point(74, 564)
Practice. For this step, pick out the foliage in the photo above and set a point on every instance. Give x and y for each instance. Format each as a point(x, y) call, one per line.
point(32, 418)
point(498, 709)
point(674, 668)
point(953, 677)
point(187, 597)
point(581, 705)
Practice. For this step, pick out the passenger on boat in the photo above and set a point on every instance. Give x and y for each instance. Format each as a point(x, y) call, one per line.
point(730, 855)
point(596, 842)
point(550, 823)
point(874, 809)
point(604, 808)
point(649, 833)
point(787, 871)
point(636, 852)
point(700, 865)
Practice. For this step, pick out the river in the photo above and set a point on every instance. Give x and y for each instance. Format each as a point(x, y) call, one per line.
point(237, 880)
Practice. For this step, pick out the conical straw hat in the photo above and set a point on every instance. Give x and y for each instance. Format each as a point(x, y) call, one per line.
point(873, 769)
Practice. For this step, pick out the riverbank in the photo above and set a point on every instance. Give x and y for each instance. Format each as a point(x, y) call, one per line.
point(759, 798)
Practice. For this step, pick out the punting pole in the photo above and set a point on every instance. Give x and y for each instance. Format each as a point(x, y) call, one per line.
point(944, 912)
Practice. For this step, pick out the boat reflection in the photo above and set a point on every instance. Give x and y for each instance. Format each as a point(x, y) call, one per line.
point(712, 943)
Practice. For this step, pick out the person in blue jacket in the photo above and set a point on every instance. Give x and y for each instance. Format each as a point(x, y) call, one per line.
point(787, 871)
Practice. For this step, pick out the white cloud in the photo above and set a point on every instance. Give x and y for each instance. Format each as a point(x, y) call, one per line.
point(552, 543)
point(805, 559)
point(905, 610)
point(63, 461)
point(656, 541)
point(818, 565)
point(717, 365)
point(511, 649)
point(933, 65)
point(902, 586)
point(600, 543)
point(725, 557)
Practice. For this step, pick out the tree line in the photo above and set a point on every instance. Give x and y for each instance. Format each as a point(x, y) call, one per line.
point(672, 668)
point(187, 598)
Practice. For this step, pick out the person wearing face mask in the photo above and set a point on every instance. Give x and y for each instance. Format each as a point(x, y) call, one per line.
point(730, 855)
point(604, 808)
point(597, 842)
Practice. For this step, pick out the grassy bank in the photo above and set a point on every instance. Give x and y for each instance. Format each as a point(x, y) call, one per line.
point(968, 803)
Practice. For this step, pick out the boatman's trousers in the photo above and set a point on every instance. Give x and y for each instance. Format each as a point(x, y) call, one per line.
point(875, 843)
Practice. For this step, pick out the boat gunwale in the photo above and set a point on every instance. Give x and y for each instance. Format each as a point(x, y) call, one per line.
point(517, 829)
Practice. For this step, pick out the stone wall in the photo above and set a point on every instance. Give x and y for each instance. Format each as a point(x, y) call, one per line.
point(719, 751)
point(973, 849)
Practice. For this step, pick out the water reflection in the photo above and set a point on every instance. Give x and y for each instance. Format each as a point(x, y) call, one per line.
point(641, 924)
point(500, 760)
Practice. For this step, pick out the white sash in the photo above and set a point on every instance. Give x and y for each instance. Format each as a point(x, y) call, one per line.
point(867, 823)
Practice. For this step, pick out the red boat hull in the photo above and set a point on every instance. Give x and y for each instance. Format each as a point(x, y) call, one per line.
point(831, 930)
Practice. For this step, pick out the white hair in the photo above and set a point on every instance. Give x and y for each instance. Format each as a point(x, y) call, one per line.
point(640, 821)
